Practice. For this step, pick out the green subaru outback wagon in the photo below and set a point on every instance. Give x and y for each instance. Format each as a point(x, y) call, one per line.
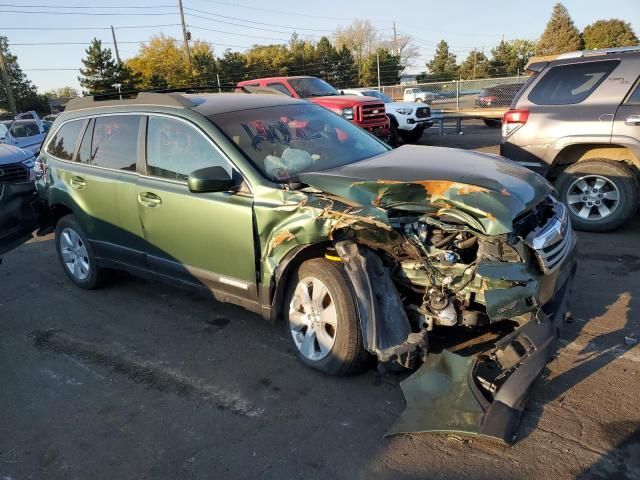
point(360, 251)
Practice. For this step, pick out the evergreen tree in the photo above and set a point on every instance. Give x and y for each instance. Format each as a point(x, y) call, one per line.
point(510, 57)
point(231, 67)
point(25, 93)
point(390, 68)
point(346, 71)
point(560, 35)
point(100, 71)
point(326, 59)
point(476, 65)
point(609, 34)
point(443, 64)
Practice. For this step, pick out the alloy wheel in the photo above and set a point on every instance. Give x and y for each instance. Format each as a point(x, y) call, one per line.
point(74, 254)
point(313, 319)
point(593, 197)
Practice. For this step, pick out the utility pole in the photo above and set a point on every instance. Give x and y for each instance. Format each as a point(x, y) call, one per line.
point(7, 84)
point(395, 40)
point(185, 34)
point(115, 46)
point(378, 61)
point(475, 57)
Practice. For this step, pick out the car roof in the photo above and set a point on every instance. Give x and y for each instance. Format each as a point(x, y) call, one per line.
point(273, 79)
point(216, 103)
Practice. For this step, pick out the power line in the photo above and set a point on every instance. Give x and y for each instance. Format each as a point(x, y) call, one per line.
point(91, 28)
point(56, 13)
point(83, 7)
point(233, 33)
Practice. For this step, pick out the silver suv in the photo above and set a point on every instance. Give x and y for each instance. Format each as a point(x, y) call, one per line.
point(577, 122)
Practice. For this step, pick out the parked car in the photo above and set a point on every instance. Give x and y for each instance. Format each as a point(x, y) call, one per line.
point(497, 96)
point(407, 119)
point(17, 191)
point(419, 95)
point(279, 206)
point(368, 114)
point(26, 131)
point(577, 121)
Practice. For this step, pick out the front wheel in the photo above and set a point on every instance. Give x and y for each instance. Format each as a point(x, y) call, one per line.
point(601, 194)
point(322, 319)
point(412, 136)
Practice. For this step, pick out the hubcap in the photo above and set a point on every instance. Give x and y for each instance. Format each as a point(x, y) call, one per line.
point(593, 197)
point(313, 319)
point(74, 254)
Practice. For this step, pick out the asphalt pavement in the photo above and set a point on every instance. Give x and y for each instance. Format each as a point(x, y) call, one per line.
point(143, 380)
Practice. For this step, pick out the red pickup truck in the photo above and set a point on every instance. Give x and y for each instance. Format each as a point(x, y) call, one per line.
point(365, 112)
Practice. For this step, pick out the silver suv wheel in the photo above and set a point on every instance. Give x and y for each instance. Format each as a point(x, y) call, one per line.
point(593, 197)
point(74, 254)
point(313, 319)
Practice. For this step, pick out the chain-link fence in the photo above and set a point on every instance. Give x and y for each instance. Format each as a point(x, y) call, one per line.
point(460, 94)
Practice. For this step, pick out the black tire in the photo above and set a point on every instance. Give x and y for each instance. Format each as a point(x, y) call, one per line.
point(347, 355)
point(96, 275)
point(619, 174)
point(393, 138)
point(492, 123)
point(412, 136)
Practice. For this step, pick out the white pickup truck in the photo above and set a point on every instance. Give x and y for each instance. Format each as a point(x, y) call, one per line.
point(408, 119)
point(25, 131)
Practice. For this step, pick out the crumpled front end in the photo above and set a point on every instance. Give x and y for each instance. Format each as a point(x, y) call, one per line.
point(433, 260)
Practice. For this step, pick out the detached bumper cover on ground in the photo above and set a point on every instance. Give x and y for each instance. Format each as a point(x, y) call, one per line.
point(451, 392)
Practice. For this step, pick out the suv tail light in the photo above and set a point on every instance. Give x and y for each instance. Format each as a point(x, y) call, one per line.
point(512, 120)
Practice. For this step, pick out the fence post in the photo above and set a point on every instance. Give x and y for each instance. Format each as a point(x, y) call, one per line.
point(457, 94)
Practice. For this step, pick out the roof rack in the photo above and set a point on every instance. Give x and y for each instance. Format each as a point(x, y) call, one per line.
point(143, 98)
point(603, 51)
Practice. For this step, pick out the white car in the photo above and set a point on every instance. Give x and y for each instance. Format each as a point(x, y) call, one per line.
point(26, 131)
point(407, 119)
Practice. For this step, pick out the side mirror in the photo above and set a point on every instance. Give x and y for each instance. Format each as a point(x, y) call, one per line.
point(210, 179)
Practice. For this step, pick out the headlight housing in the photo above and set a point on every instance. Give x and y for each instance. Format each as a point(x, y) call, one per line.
point(405, 111)
point(347, 113)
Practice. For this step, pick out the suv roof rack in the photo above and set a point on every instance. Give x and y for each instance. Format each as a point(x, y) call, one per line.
point(603, 51)
point(143, 98)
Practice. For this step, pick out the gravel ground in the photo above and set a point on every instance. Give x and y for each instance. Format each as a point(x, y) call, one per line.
point(142, 380)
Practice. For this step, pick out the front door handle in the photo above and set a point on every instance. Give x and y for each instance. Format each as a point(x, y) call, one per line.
point(632, 120)
point(148, 199)
point(78, 183)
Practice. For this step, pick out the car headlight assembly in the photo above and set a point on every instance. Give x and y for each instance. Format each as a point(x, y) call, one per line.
point(405, 111)
point(347, 113)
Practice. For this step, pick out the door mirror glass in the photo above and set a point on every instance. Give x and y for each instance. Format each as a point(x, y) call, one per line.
point(210, 179)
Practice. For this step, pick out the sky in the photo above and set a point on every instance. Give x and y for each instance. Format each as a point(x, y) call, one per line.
point(464, 24)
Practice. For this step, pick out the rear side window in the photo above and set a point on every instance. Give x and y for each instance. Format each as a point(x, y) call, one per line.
point(63, 143)
point(115, 142)
point(280, 87)
point(571, 84)
point(635, 96)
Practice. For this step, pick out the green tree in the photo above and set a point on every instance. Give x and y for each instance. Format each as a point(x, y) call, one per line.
point(390, 68)
point(346, 73)
point(476, 65)
point(203, 63)
point(25, 93)
point(326, 59)
point(231, 67)
point(560, 35)
point(608, 34)
point(63, 92)
point(510, 57)
point(100, 71)
point(443, 64)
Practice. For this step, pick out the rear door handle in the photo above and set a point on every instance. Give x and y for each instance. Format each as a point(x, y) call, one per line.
point(148, 199)
point(78, 183)
point(632, 120)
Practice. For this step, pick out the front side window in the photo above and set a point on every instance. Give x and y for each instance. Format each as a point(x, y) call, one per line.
point(115, 142)
point(284, 140)
point(63, 143)
point(571, 84)
point(307, 87)
point(175, 149)
point(633, 98)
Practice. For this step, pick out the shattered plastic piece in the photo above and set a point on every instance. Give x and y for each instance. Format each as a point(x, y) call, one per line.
point(631, 341)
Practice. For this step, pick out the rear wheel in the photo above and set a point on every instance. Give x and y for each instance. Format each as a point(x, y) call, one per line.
point(322, 319)
point(76, 255)
point(601, 194)
point(412, 136)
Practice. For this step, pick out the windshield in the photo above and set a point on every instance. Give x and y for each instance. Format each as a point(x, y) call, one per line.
point(312, 87)
point(283, 141)
point(380, 95)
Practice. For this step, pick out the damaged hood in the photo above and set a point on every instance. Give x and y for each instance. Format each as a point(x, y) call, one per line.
point(435, 179)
